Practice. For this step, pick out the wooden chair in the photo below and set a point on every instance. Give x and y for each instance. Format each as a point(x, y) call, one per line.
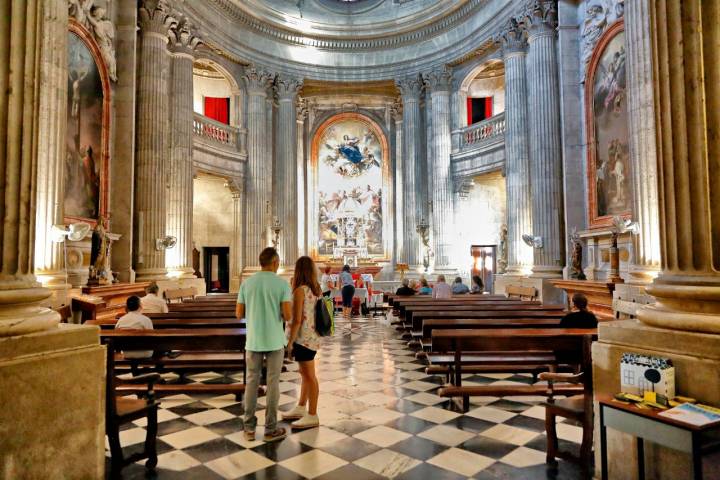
point(121, 410)
point(578, 408)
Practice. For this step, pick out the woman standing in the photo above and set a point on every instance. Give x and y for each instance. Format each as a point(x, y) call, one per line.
point(348, 290)
point(326, 282)
point(304, 342)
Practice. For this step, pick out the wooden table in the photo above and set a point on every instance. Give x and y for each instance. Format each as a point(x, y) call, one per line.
point(647, 424)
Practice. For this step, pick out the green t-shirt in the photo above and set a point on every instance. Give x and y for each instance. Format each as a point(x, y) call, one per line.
point(262, 295)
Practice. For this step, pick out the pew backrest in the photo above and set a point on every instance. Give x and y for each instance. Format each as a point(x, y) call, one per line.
point(523, 293)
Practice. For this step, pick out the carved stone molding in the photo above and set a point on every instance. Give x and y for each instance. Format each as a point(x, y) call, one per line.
point(258, 80)
point(287, 87)
point(410, 88)
point(302, 109)
point(396, 110)
point(541, 18)
point(154, 17)
point(439, 80)
point(513, 39)
point(183, 38)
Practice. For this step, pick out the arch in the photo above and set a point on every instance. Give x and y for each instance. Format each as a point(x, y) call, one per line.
point(464, 86)
point(205, 57)
point(313, 199)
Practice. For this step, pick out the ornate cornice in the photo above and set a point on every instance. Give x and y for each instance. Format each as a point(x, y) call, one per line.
point(449, 21)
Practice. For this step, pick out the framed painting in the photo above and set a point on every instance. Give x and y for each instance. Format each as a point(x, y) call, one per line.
point(608, 159)
point(88, 128)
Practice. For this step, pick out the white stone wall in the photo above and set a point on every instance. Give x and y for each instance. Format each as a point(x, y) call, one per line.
point(212, 214)
point(208, 87)
point(490, 87)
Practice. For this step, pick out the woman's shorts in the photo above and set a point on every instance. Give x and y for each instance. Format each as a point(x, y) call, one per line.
point(302, 354)
point(348, 292)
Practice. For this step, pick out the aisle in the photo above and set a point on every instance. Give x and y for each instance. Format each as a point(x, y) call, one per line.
point(379, 416)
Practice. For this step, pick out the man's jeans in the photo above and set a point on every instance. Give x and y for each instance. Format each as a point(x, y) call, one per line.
point(254, 362)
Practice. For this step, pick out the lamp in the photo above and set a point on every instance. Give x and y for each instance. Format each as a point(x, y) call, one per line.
point(423, 229)
point(276, 229)
point(165, 243)
point(74, 232)
point(533, 241)
point(623, 225)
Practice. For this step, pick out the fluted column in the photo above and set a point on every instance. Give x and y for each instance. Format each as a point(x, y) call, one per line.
point(52, 122)
point(517, 161)
point(23, 31)
point(287, 171)
point(442, 223)
point(687, 99)
point(643, 154)
point(180, 199)
point(545, 148)
point(237, 257)
point(300, 117)
point(259, 166)
point(410, 89)
point(152, 135)
point(399, 213)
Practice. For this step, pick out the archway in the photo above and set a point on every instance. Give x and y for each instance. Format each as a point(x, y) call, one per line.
point(482, 93)
point(213, 86)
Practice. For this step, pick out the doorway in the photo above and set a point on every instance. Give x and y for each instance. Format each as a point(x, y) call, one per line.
point(217, 269)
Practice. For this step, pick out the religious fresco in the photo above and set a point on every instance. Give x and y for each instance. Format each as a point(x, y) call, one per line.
point(84, 158)
point(350, 177)
point(608, 155)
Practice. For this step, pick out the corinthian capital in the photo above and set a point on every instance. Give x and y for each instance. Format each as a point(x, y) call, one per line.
point(439, 80)
point(541, 18)
point(410, 88)
point(257, 80)
point(512, 39)
point(287, 87)
point(302, 109)
point(183, 38)
point(396, 110)
point(154, 17)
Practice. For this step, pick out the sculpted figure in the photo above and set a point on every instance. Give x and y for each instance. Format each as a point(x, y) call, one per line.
point(594, 25)
point(104, 32)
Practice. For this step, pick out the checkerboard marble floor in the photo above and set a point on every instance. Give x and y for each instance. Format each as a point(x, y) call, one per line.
point(380, 418)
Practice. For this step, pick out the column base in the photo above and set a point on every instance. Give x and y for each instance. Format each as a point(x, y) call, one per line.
point(57, 284)
point(696, 358)
point(642, 275)
point(694, 308)
point(151, 274)
point(21, 313)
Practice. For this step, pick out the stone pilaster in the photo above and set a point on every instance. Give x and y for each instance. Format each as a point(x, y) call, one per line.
point(287, 168)
point(687, 89)
point(237, 258)
point(442, 223)
point(300, 117)
point(517, 161)
point(152, 134)
point(544, 141)
point(410, 89)
point(259, 166)
point(24, 30)
point(643, 154)
point(52, 122)
point(399, 214)
point(183, 42)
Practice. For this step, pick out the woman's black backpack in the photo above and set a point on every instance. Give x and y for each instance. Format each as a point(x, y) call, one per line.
point(324, 313)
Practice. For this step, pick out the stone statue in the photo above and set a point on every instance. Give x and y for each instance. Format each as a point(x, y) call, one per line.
point(503, 253)
point(596, 19)
point(104, 32)
point(576, 270)
point(99, 252)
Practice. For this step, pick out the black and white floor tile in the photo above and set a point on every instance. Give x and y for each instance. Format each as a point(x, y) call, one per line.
point(380, 418)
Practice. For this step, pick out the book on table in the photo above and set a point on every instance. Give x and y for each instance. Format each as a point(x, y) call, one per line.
point(693, 414)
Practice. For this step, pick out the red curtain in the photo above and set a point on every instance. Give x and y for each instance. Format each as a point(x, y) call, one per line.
point(218, 108)
point(478, 109)
point(469, 111)
point(488, 107)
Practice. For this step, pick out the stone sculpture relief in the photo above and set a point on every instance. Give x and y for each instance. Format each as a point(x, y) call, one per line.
point(598, 16)
point(94, 18)
point(503, 257)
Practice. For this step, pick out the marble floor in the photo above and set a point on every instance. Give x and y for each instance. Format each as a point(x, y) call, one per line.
point(380, 418)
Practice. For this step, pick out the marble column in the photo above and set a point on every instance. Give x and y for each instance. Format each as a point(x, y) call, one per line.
point(52, 122)
point(442, 223)
point(287, 171)
point(152, 134)
point(410, 89)
point(399, 213)
point(687, 99)
point(183, 42)
point(237, 259)
point(300, 117)
point(544, 141)
point(259, 166)
point(23, 32)
point(643, 154)
point(517, 161)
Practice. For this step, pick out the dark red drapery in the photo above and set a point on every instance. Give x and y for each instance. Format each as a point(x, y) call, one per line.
point(218, 108)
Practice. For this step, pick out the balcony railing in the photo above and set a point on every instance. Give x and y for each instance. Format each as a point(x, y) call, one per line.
point(482, 131)
point(209, 129)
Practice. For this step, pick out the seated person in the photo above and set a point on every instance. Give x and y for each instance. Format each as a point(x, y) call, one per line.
point(151, 303)
point(477, 285)
point(583, 318)
point(424, 287)
point(441, 289)
point(459, 287)
point(134, 319)
point(405, 290)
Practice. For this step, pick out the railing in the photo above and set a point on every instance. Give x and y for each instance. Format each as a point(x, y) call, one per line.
point(481, 131)
point(209, 129)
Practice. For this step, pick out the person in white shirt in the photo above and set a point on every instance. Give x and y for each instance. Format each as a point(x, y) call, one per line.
point(441, 288)
point(151, 303)
point(326, 282)
point(134, 319)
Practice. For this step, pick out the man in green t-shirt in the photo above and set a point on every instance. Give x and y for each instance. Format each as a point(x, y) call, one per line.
point(264, 300)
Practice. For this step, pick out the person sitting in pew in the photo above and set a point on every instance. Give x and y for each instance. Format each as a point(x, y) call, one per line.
point(441, 289)
point(459, 287)
point(424, 287)
point(151, 303)
point(477, 285)
point(583, 318)
point(405, 289)
point(134, 319)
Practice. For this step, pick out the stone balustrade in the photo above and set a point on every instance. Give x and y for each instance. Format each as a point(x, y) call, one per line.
point(482, 131)
point(209, 129)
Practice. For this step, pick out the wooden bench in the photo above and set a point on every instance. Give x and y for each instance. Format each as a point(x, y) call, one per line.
point(180, 294)
point(413, 312)
point(419, 317)
point(180, 323)
point(567, 346)
point(205, 342)
point(523, 293)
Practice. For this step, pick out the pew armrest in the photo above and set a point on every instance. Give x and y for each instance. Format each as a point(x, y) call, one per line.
point(552, 377)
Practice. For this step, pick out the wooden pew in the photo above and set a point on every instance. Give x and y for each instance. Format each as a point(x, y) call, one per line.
point(562, 345)
point(192, 314)
point(419, 317)
point(523, 293)
point(412, 311)
point(216, 347)
point(180, 323)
